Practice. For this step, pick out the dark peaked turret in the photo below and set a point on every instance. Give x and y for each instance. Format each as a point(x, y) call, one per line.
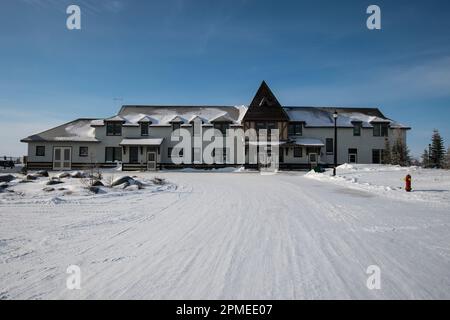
point(265, 106)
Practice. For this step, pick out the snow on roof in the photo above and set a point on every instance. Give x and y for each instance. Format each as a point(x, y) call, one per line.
point(177, 119)
point(141, 142)
point(79, 130)
point(166, 114)
point(115, 118)
point(323, 116)
point(310, 142)
point(83, 130)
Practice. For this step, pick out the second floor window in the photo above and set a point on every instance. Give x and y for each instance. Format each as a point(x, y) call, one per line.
point(222, 127)
point(269, 126)
point(176, 126)
point(357, 129)
point(295, 129)
point(113, 129)
point(144, 129)
point(380, 129)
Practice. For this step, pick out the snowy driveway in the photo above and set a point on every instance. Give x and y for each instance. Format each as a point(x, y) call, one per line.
point(227, 235)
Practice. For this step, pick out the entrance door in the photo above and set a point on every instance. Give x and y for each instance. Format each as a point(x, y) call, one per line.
point(313, 159)
point(352, 155)
point(134, 154)
point(281, 155)
point(151, 161)
point(62, 158)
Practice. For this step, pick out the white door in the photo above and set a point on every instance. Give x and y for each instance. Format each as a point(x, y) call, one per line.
point(313, 159)
point(151, 161)
point(62, 158)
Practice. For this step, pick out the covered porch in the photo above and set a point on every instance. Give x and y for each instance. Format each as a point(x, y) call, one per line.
point(301, 151)
point(141, 154)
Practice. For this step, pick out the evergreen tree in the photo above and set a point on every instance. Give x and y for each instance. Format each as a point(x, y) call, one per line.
point(387, 152)
point(425, 159)
point(437, 150)
point(447, 159)
point(400, 152)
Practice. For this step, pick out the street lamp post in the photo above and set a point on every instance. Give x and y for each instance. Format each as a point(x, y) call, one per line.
point(335, 115)
point(429, 155)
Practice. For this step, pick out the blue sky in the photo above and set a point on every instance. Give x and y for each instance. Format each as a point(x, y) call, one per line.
point(217, 52)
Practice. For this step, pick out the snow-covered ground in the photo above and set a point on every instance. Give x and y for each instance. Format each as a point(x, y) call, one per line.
point(208, 235)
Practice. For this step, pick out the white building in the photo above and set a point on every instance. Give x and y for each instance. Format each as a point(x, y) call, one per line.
point(139, 137)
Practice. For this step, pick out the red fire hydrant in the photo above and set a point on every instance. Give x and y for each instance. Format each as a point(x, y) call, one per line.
point(408, 183)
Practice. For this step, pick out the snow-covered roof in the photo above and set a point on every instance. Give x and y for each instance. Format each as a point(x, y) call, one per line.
point(309, 142)
point(83, 130)
point(323, 116)
point(164, 115)
point(79, 130)
point(141, 142)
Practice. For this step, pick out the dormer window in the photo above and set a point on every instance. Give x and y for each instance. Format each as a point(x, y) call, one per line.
point(222, 126)
point(113, 128)
point(357, 129)
point(176, 126)
point(144, 128)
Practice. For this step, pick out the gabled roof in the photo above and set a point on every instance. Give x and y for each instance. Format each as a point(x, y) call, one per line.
point(347, 117)
point(221, 118)
point(79, 130)
point(116, 118)
point(164, 115)
point(177, 119)
point(265, 106)
point(196, 117)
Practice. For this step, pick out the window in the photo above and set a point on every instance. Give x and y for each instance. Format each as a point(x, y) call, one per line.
point(380, 129)
point(352, 155)
point(222, 127)
point(144, 128)
point(357, 129)
point(271, 126)
point(295, 129)
point(113, 128)
point(40, 151)
point(376, 156)
point(169, 152)
point(260, 125)
point(176, 126)
point(298, 152)
point(113, 154)
point(329, 146)
point(83, 152)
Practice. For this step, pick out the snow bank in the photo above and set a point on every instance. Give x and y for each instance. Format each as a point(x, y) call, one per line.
point(74, 188)
point(429, 185)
